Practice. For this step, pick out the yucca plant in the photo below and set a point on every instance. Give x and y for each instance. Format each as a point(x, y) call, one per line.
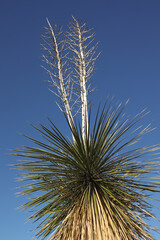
point(96, 185)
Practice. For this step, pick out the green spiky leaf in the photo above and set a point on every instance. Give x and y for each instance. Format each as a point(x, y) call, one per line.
point(93, 188)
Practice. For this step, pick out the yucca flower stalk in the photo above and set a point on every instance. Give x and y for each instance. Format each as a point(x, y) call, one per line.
point(96, 185)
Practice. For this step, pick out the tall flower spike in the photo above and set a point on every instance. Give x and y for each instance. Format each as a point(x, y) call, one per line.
point(80, 42)
point(57, 67)
point(71, 62)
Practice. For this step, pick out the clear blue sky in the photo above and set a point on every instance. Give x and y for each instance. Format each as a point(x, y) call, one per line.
point(129, 67)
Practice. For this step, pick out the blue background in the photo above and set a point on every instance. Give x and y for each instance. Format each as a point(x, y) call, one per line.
point(128, 67)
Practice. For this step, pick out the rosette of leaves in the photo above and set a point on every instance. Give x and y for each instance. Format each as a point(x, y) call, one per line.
point(94, 188)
